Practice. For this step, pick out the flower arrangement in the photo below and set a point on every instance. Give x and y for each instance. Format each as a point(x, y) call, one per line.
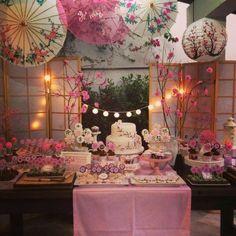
point(78, 87)
point(156, 135)
point(8, 148)
point(178, 101)
point(40, 147)
point(74, 139)
point(207, 174)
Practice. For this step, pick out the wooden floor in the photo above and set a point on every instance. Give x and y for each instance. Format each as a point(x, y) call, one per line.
point(203, 223)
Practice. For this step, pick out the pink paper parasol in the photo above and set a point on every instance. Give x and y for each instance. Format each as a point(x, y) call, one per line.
point(95, 21)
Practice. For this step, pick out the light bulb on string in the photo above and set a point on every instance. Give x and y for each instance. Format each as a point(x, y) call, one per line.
point(95, 111)
point(128, 114)
point(138, 112)
point(150, 107)
point(116, 115)
point(105, 113)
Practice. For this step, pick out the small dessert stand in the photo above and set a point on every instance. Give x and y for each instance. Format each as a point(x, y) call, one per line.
point(200, 162)
point(156, 164)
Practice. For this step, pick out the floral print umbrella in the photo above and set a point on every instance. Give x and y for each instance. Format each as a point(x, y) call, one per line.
point(149, 17)
point(31, 32)
point(95, 21)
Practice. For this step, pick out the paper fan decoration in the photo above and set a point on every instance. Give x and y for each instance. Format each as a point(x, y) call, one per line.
point(204, 40)
point(95, 21)
point(31, 32)
point(148, 17)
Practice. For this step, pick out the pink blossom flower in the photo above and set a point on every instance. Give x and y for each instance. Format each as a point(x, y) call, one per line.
point(188, 77)
point(192, 143)
point(66, 62)
point(209, 70)
point(96, 104)
point(155, 42)
point(207, 136)
point(111, 146)
point(58, 147)
point(175, 91)
point(157, 93)
point(170, 55)
point(85, 95)
point(67, 108)
point(168, 111)
point(104, 84)
point(45, 147)
point(13, 140)
point(228, 145)
point(1, 147)
point(170, 75)
point(98, 75)
point(8, 145)
point(95, 146)
point(206, 92)
point(179, 113)
point(157, 56)
point(132, 18)
point(160, 66)
point(84, 108)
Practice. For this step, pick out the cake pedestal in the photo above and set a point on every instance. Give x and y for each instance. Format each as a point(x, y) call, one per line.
point(156, 164)
point(198, 163)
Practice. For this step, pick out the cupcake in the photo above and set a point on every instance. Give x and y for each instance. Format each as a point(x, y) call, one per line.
point(207, 156)
point(193, 154)
point(216, 156)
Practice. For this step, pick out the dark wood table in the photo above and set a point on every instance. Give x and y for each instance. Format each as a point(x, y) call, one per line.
point(221, 198)
point(18, 202)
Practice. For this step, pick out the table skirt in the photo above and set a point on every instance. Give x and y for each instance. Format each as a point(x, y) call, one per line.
point(132, 211)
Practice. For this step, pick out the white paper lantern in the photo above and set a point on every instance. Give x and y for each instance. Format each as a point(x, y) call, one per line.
point(204, 40)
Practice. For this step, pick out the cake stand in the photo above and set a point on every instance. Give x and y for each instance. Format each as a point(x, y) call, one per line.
point(200, 162)
point(156, 164)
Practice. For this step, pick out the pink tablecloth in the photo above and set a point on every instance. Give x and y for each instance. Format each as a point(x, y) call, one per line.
point(132, 211)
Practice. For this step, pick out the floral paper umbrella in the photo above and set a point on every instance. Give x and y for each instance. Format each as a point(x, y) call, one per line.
point(31, 32)
point(95, 21)
point(149, 17)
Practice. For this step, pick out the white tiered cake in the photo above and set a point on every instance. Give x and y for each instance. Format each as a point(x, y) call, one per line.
point(125, 138)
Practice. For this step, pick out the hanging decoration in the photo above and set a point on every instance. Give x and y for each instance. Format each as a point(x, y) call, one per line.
point(117, 114)
point(204, 40)
point(149, 17)
point(95, 21)
point(31, 32)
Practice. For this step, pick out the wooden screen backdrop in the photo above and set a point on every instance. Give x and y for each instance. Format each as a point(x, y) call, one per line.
point(32, 111)
point(198, 118)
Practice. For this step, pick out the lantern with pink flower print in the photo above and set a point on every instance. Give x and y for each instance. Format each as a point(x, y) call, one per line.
point(204, 40)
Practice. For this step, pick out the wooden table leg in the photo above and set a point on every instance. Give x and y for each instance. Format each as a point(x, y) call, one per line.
point(16, 224)
point(226, 221)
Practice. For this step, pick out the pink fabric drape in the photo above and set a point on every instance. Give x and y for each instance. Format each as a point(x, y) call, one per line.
point(132, 211)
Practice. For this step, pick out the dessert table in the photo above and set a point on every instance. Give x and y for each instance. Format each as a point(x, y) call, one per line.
point(127, 211)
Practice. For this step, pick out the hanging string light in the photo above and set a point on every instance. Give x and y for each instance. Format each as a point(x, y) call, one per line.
point(128, 114)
